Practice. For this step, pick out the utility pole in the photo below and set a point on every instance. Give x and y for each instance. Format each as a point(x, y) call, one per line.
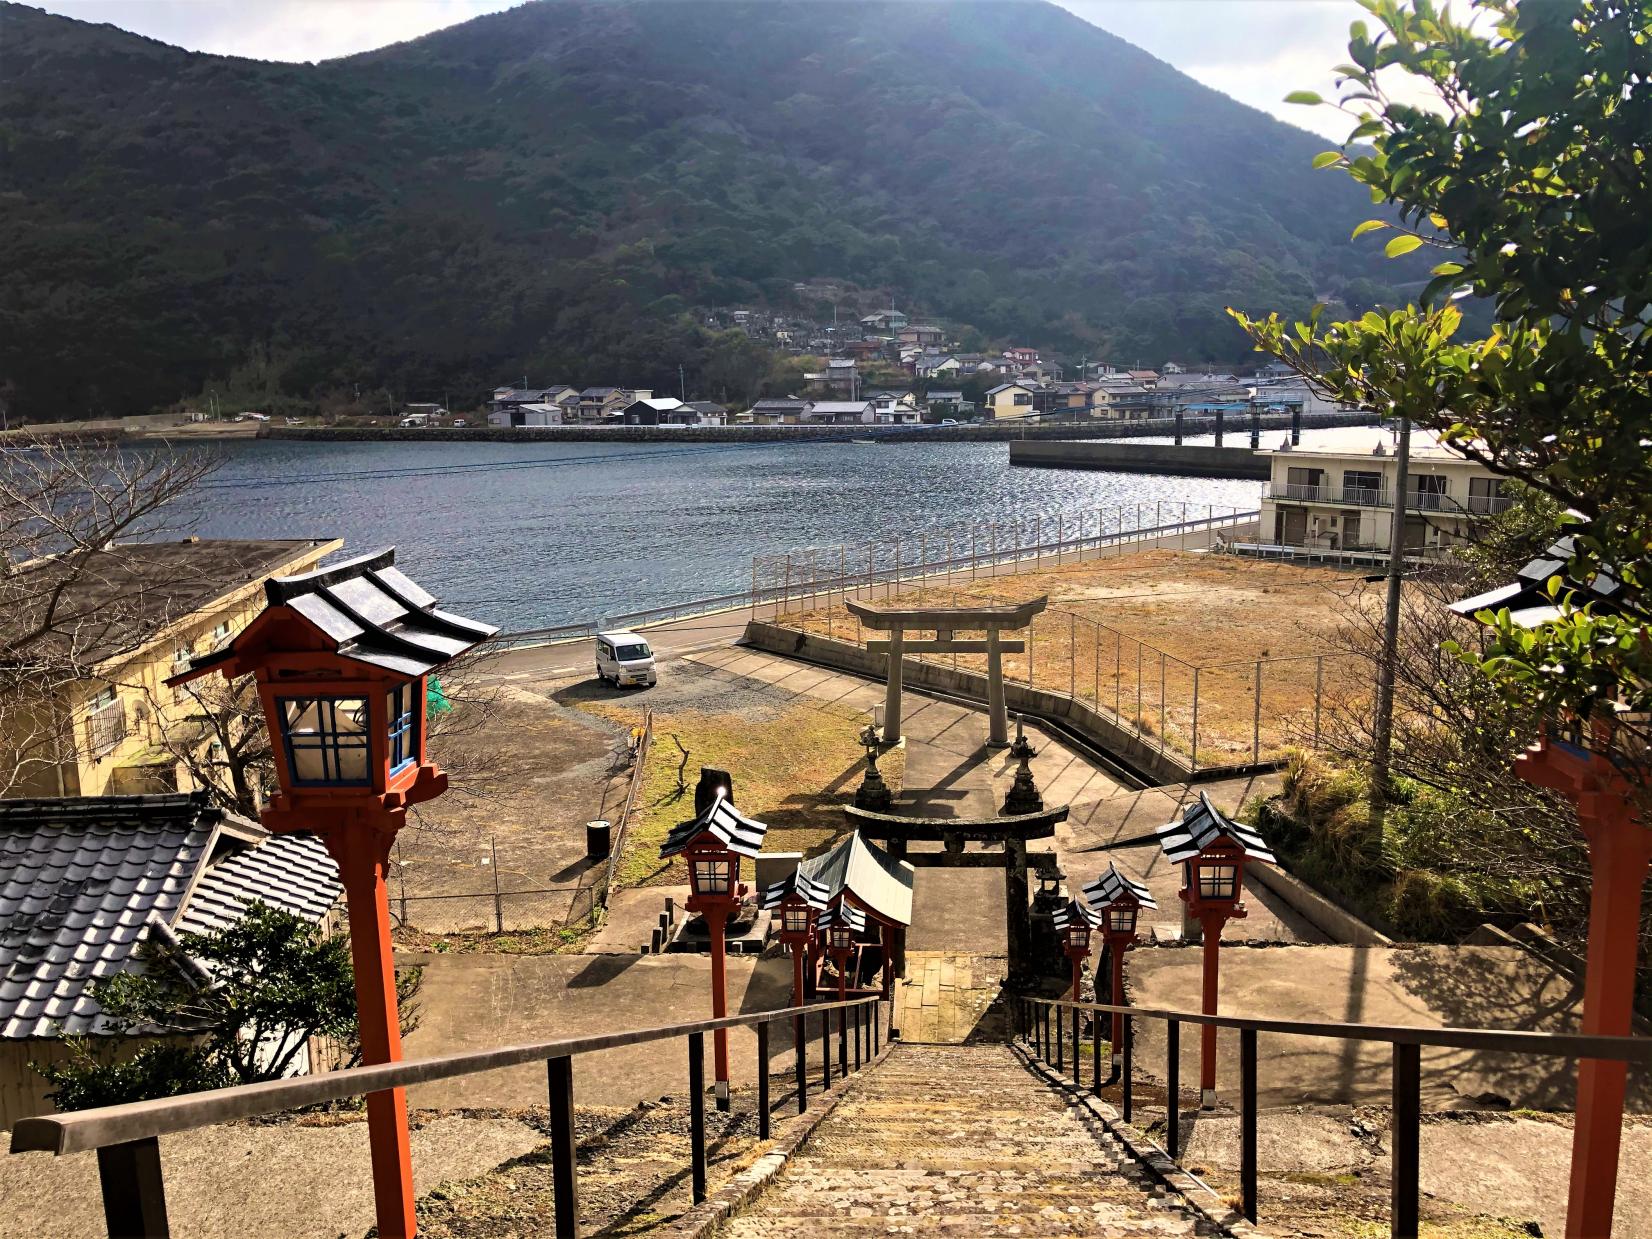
point(1383, 725)
point(682, 384)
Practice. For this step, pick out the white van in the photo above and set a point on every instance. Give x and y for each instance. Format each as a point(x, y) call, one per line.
point(624, 658)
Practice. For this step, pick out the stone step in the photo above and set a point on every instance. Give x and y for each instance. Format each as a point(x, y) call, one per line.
point(961, 1140)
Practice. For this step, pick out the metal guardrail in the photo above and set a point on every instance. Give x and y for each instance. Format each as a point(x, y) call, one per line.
point(1033, 1025)
point(125, 1137)
point(1367, 497)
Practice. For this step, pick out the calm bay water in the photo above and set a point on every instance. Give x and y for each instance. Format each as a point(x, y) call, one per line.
point(531, 535)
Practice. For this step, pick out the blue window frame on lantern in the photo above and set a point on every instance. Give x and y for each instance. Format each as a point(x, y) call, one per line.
point(403, 721)
point(326, 741)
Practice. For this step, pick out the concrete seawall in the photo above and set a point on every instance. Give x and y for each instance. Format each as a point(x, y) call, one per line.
point(1187, 460)
point(1057, 433)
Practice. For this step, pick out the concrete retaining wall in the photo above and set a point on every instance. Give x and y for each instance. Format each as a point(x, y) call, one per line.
point(1121, 741)
point(1188, 460)
point(1337, 924)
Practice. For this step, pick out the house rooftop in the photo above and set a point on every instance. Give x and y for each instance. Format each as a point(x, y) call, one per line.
point(118, 598)
point(85, 881)
point(1363, 441)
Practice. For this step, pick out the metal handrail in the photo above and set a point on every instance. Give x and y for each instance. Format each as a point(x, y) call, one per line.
point(129, 1162)
point(83, 1130)
point(1033, 1017)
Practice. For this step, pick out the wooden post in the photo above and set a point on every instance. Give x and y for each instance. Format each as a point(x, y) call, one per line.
point(716, 922)
point(1247, 1122)
point(1193, 758)
point(1173, 1086)
point(1256, 718)
point(1404, 1141)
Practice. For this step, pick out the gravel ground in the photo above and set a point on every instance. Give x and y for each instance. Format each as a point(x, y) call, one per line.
point(292, 1179)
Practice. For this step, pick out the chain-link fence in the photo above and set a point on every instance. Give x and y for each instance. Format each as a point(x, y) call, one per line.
point(1210, 714)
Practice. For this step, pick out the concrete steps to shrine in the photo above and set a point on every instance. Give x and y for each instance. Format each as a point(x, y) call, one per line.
point(962, 1140)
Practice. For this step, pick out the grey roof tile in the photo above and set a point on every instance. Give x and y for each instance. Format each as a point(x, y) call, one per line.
point(82, 880)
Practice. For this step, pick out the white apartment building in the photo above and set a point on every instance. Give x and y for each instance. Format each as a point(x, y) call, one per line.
point(1337, 492)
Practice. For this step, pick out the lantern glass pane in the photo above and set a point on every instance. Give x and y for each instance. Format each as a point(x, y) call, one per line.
point(402, 724)
point(1218, 881)
point(326, 740)
point(1122, 919)
point(797, 920)
point(712, 875)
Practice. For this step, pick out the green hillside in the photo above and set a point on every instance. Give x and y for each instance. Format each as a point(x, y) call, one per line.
point(549, 190)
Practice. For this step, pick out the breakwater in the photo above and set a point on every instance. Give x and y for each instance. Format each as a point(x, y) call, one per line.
point(1188, 460)
point(973, 432)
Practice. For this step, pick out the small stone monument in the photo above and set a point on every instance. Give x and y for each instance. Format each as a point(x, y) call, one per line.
point(1023, 796)
point(873, 793)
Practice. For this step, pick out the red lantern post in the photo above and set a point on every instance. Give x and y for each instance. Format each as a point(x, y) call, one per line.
point(1213, 850)
point(713, 842)
point(1118, 901)
point(340, 657)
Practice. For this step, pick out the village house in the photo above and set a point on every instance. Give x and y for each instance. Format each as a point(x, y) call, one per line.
point(607, 404)
point(710, 412)
point(528, 415)
point(1021, 356)
point(920, 336)
point(659, 411)
point(894, 408)
point(512, 397)
point(133, 615)
point(927, 365)
point(1010, 400)
point(884, 320)
point(840, 377)
point(86, 882)
point(944, 404)
point(1339, 493)
point(838, 412)
point(774, 411)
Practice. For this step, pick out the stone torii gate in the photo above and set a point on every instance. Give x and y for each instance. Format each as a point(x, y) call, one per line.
point(944, 622)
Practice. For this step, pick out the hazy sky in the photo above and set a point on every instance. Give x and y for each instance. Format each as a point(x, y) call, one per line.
point(1254, 50)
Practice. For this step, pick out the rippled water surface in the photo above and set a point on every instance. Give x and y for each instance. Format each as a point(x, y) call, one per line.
point(527, 535)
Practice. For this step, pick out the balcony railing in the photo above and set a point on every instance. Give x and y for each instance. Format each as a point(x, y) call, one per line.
point(1349, 496)
point(1364, 497)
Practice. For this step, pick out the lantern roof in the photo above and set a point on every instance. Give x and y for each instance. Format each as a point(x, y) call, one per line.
point(1076, 910)
point(1112, 886)
point(368, 611)
point(1527, 596)
point(1203, 826)
point(812, 893)
point(841, 913)
point(876, 879)
point(740, 834)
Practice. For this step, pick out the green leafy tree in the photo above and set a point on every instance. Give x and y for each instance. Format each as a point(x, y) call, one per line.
point(1528, 174)
point(236, 1005)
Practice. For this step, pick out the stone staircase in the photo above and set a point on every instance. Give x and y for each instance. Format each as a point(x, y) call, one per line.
point(961, 1140)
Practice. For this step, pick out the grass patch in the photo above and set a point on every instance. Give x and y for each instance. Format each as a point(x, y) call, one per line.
point(794, 769)
point(543, 941)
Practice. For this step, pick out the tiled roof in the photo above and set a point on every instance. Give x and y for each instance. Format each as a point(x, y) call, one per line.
point(373, 614)
point(1076, 909)
point(875, 878)
point(1111, 885)
point(739, 833)
point(84, 881)
point(1201, 825)
point(814, 893)
point(846, 913)
point(1527, 596)
point(291, 872)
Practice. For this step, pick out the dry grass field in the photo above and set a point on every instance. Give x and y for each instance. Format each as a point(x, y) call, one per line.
point(1139, 633)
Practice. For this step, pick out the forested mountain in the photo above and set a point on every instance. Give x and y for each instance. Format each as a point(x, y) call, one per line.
point(550, 189)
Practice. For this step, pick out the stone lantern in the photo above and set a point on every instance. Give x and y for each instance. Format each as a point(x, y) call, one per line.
point(341, 657)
